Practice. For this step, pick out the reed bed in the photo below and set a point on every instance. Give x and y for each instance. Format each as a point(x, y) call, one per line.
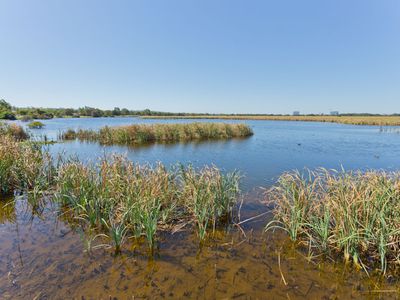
point(352, 214)
point(351, 120)
point(117, 198)
point(23, 166)
point(121, 198)
point(159, 133)
point(15, 131)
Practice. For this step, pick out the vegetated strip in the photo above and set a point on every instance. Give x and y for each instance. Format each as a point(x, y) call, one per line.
point(14, 131)
point(159, 133)
point(351, 120)
point(117, 197)
point(353, 214)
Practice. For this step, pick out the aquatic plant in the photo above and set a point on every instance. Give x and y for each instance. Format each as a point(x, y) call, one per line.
point(209, 195)
point(353, 214)
point(143, 198)
point(15, 131)
point(115, 196)
point(117, 232)
point(23, 165)
point(35, 125)
point(160, 133)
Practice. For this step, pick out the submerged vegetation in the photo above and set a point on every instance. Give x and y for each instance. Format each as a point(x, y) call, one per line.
point(159, 133)
point(117, 198)
point(353, 214)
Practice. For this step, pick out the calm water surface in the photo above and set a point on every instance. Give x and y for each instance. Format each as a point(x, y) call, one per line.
point(42, 254)
point(276, 146)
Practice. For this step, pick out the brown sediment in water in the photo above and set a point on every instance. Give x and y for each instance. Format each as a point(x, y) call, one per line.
point(43, 257)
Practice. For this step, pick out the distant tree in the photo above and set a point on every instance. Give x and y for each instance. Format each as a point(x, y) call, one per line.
point(69, 112)
point(125, 112)
point(108, 113)
point(116, 111)
point(6, 110)
point(4, 105)
point(22, 112)
point(96, 113)
point(146, 112)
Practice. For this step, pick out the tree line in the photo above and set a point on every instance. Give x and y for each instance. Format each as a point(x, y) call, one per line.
point(9, 112)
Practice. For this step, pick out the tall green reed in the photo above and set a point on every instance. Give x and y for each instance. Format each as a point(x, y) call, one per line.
point(353, 214)
point(161, 133)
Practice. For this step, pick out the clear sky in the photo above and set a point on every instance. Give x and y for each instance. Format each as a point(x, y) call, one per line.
point(202, 56)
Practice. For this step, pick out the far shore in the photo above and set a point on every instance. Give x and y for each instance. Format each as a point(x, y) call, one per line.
point(353, 120)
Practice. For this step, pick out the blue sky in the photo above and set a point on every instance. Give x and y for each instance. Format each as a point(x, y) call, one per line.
point(202, 56)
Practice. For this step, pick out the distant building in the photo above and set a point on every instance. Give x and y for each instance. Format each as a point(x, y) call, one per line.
point(296, 113)
point(334, 113)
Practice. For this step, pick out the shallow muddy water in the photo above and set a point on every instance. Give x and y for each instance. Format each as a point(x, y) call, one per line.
point(42, 255)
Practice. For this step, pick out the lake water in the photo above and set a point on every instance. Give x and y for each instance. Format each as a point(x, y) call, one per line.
point(42, 253)
point(276, 146)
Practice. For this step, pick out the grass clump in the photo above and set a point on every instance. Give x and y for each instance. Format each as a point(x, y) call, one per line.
point(209, 196)
point(121, 198)
point(13, 130)
point(353, 214)
point(36, 125)
point(117, 198)
point(159, 133)
point(117, 191)
point(23, 166)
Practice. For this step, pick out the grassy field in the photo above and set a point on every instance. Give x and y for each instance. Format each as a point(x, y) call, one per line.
point(351, 214)
point(159, 133)
point(354, 120)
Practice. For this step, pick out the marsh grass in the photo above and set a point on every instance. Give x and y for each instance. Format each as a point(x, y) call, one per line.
point(345, 119)
point(121, 198)
point(23, 166)
point(36, 125)
point(115, 197)
point(209, 196)
point(159, 133)
point(13, 130)
point(352, 214)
